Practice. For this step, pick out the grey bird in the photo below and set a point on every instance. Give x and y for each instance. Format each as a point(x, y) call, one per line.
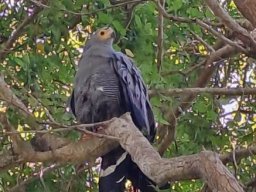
point(108, 84)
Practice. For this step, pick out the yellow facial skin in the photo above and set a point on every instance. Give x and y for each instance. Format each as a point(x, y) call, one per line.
point(105, 33)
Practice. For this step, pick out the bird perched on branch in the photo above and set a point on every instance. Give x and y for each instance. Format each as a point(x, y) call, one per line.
point(108, 84)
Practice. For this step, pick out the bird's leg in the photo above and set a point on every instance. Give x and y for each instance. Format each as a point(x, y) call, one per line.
point(92, 129)
point(86, 136)
point(99, 129)
point(96, 130)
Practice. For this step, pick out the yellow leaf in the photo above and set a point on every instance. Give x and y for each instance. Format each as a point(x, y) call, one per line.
point(36, 114)
point(40, 47)
point(129, 53)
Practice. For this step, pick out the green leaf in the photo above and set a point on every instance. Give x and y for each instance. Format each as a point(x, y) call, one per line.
point(138, 21)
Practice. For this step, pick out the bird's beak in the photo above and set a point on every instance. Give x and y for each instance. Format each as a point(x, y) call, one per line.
point(113, 34)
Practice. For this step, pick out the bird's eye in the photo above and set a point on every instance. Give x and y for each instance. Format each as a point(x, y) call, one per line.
point(102, 33)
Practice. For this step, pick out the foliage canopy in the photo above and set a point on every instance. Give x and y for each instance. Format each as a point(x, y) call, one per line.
point(40, 67)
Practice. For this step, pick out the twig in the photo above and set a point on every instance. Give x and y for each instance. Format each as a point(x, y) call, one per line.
point(220, 36)
point(185, 72)
point(102, 123)
point(47, 112)
point(34, 177)
point(97, 134)
point(81, 127)
point(90, 13)
point(209, 47)
point(171, 17)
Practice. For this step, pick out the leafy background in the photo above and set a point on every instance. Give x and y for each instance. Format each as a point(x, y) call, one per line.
point(41, 67)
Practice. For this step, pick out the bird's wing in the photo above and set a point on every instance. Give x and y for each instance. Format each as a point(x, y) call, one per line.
point(135, 94)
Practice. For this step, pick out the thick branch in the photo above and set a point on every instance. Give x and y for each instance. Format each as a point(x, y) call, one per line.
point(7, 160)
point(213, 91)
point(238, 154)
point(66, 151)
point(247, 8)
point(228, 21)
point(224, 17)
point(205, 165)
point(7, 95)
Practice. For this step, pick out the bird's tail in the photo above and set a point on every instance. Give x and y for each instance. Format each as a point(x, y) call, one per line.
point(116, 168)
point(140, 180)
point(113, 171)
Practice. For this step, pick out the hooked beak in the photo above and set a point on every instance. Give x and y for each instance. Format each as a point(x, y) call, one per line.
point(111, 31)
point(113, 34)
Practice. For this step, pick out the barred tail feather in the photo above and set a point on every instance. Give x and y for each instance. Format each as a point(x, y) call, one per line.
point(116, 168)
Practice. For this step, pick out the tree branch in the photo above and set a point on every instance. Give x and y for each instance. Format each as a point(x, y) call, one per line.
point(205, 165)
point(17, 33)
point(7, 95)
point(202, 81)
point(160, 37)
point(7, 159)
point(203, 25)
point(247, 8)
point(209, 47)
point(214, 91)
point(33, 177)
point(228, 21)
point(239, 154)
point(119, 4)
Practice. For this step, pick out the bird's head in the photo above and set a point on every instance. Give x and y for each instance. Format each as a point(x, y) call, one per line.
point(103, 36)
point(101, 39)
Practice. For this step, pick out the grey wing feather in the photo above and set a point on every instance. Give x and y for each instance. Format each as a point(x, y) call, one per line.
point(135, 94)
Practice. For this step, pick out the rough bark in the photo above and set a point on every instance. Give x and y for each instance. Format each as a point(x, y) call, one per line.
point(247, 9)
point(205, 165)
point(240, 32)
